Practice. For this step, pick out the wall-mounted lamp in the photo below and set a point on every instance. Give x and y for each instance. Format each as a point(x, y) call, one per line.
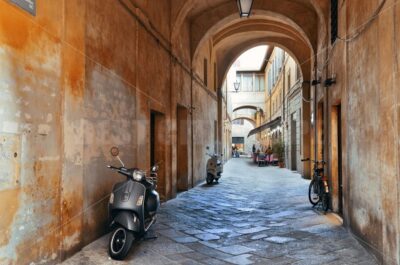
point(245, 7)
point(236, 85)
point(316, 82)
point(330, 81)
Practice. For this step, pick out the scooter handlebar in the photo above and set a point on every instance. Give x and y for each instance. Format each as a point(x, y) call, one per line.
point(116, 168)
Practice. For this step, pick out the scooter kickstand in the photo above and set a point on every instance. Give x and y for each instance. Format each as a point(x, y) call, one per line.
point(150, 235)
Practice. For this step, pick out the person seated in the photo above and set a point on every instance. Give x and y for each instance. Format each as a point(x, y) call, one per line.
point(261, 159)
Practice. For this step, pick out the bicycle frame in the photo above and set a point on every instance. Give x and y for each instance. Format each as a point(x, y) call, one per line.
point(319, 184)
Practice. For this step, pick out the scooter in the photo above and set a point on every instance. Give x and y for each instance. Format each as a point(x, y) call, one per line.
point(132, 207)
point(214, 168)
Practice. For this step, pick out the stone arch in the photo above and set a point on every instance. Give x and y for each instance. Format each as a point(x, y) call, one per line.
point(294, 10)
point(253, 122)
point(305, 61)
point(232, 39)
point(247, 107)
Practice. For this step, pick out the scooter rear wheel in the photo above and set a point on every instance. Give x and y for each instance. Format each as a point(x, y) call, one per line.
point(209, 179)
point(313, 193)
point(120, 243)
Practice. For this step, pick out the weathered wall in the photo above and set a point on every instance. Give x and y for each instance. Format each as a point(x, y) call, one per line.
point(73, 81)
point(80, 77)
point(204, 105)
point(367, 73)
point(30, 131)
point(76, 79)
point(373, 157)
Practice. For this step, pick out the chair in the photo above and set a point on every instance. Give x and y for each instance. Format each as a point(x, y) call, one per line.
point(261, 160)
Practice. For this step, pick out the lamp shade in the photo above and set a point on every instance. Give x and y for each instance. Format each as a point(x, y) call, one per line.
point(244, 7)
point(236, 85)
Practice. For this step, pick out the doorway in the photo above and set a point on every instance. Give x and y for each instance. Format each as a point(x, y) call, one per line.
point(182, 149)
point(157, 149)
point(336, 171)
point(293, 141)
point(320, 131)
point(215, 137)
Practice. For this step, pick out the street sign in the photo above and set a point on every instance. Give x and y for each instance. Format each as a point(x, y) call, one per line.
point(27, 5)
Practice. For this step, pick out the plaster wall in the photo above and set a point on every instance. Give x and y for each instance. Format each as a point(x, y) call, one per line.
point(76, 79)
point(31, 133)
point(366, 69)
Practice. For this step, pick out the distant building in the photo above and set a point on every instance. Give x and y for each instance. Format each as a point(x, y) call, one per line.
point(282, 106)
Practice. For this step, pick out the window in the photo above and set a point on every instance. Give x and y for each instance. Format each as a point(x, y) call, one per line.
point(205, 77)
point(247, 84)
point(259, 83)
point(334, 20)
point(238, 140)
point(289, 80)
point(269, 80)
point(238, 122)
point(215, 76)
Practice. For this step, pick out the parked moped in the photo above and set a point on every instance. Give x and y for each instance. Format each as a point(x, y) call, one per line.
point(132, 207)
point(214, 168)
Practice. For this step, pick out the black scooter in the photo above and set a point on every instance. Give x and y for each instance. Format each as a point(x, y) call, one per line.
point(132, 207)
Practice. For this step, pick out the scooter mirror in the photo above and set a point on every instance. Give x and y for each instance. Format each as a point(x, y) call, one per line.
point(114, 151)
point(154, 168)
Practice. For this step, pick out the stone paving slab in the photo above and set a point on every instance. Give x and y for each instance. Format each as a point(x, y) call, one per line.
point(256, 216)
point(236, 249)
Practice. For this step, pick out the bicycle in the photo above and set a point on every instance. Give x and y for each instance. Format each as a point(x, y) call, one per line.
point(318, 191)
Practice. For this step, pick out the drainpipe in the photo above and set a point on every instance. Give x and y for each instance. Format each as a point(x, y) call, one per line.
point(283, 97)
point(191, 125)
point(315, 115)
point(283, 106)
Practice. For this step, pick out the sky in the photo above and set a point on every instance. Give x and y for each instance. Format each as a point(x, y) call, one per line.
point(251, 59)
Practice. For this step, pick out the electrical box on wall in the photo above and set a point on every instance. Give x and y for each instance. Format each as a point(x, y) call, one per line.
point(10, 160)
point(27, 5)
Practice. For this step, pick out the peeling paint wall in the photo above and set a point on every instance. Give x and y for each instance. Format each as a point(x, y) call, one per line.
point(75, 80)
point(82, 76)
point(367, 89)
point(30, 116)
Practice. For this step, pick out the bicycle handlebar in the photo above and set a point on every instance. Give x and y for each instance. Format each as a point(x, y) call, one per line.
point(314, 161)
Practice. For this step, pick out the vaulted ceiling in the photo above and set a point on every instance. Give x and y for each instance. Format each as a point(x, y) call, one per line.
point(297, 26)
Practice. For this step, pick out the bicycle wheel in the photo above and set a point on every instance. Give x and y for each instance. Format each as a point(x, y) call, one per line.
point(313, 191)
point(325, 202)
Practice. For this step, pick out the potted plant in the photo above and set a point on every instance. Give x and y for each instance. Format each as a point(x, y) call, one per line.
point(279, 150)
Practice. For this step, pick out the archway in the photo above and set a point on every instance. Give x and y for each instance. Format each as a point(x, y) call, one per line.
point(248, 107)
point(218, 36)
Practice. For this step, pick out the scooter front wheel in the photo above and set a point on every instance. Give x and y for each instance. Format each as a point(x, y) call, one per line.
point(209, 179)
point(120, 243)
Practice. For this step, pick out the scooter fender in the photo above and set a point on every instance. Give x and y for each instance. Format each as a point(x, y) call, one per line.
point(127, 220)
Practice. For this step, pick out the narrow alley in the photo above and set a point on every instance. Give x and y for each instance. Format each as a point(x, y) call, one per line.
point(178, 90)
point(253, 216)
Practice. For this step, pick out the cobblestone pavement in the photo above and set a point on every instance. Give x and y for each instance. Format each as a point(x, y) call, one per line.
point(253, 216)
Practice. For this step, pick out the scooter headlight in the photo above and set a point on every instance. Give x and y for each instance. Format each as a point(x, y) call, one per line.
point(138, 175)
point(111, 198)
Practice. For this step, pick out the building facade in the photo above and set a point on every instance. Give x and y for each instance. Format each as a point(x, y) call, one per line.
point(283, 106)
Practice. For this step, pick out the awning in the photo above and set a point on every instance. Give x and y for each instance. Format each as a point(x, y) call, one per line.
point(269, 125)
